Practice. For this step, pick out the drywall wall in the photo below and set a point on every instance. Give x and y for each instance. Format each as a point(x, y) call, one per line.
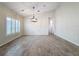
point(67, 22)
point(4, 12)
point(40, 27)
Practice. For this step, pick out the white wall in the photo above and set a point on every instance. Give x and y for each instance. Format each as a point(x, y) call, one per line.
point(67, 22)
point(38, 28)
point(4, 12)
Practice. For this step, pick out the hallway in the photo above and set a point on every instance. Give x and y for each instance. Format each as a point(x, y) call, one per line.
point(39, 46)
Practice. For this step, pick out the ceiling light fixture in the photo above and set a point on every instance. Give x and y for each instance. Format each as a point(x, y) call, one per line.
point(34, 19)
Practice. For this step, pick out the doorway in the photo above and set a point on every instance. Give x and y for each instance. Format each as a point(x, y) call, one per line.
point(50, 31)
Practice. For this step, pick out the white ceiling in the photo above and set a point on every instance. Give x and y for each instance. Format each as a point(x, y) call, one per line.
point(43, 7)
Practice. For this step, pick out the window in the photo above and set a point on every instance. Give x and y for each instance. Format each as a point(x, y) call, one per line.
point(12, 25)
point(17, 26)
point(8, 25)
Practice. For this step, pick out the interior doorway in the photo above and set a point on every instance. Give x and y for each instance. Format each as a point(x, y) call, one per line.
point(50, 31)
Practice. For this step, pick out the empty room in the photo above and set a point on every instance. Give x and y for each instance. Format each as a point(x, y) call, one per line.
point(39, 28)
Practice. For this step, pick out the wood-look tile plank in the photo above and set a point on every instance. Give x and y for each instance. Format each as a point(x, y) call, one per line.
point(39, 46)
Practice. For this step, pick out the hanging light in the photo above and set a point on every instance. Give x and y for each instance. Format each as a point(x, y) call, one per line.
point(33, 18)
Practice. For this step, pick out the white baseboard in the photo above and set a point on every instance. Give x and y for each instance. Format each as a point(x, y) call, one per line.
point(66, 39)
point(10, 40)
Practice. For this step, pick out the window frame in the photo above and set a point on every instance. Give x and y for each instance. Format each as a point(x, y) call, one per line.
point(13, 25)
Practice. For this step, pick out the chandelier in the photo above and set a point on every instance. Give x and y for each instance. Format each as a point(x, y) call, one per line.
point(33, 19)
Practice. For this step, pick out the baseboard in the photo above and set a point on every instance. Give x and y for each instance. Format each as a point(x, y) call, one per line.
point(11, 40)
point(34, 35)
point(66, 40)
